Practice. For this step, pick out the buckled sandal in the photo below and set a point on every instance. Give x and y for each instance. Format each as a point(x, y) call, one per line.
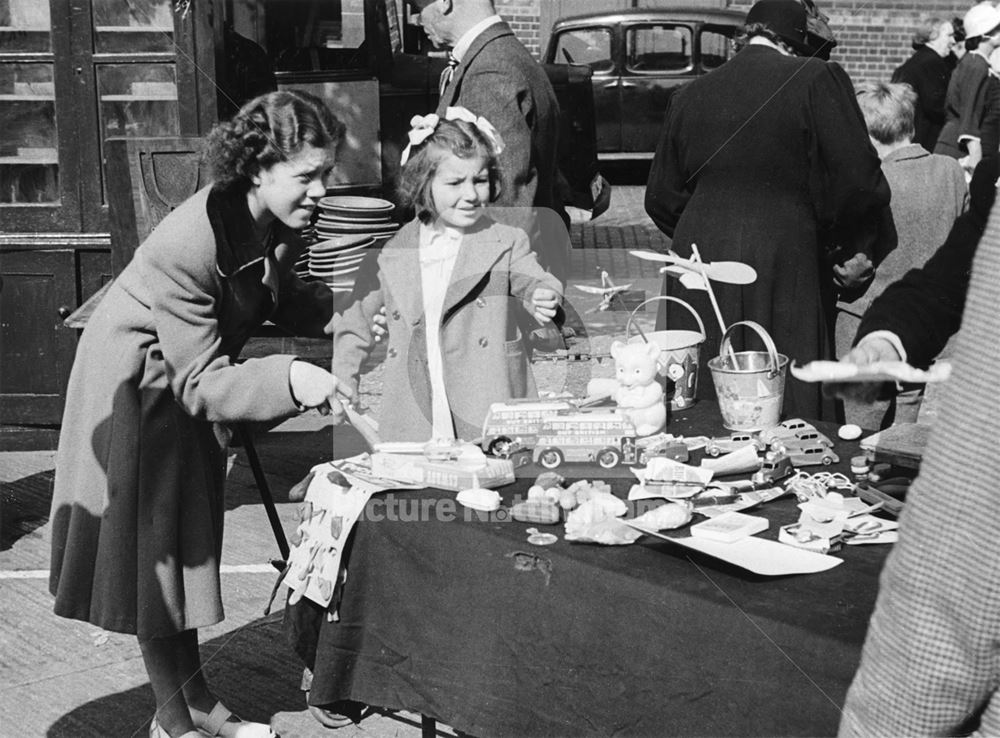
point(219, 723)
point(156, 731)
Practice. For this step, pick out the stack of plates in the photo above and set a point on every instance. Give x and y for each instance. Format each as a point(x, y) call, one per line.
point(354, 215)
point(336, 260)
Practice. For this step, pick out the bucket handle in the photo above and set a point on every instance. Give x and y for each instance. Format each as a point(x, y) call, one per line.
point(772, 350)
point(631, 317)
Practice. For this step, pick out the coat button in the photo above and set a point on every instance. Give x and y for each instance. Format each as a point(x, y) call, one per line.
point(391, 353)
point(480, 302)
point(483, 342)
point(395, 315)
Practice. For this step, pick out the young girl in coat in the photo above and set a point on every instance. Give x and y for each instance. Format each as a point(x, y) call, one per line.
point(451, 282)
point(138, 503)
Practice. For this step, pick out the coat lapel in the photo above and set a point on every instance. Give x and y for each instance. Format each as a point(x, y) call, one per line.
point(452, 91)
point(480, 251)
point(400, 265)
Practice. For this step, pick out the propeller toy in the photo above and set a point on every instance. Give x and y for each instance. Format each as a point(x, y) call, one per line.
point(690, 271)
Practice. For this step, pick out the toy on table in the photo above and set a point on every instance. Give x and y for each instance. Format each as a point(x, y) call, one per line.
point(732, 442)
point(448, 465)
point(608, 292)
point(635, 387)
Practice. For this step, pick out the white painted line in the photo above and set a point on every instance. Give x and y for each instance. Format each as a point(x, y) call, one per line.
point(227, 569)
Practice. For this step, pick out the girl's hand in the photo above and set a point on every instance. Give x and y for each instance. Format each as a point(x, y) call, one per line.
point(313, 387)
point(544, 303)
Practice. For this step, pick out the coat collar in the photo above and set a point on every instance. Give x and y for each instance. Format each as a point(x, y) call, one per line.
point(400, 266)
point(237, 244)
point(907, 153)
point(490, 34)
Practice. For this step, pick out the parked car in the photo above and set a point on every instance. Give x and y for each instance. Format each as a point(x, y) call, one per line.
point(638, 58)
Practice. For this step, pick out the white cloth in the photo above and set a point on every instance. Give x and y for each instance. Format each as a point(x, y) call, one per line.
point(438, 246)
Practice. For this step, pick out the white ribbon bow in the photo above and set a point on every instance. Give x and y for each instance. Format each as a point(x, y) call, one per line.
point(422, 126)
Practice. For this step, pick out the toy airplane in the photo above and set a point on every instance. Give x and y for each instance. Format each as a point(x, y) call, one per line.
point(690, 270)
point(607, 291)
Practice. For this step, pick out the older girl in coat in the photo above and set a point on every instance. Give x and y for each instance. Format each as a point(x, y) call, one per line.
point(138, 502)
point(451, 281)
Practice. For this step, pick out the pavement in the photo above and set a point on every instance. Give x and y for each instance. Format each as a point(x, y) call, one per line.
point(67, 678)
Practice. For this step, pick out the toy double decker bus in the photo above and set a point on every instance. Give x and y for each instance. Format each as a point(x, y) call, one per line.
point(514, 425)
point(600, 436)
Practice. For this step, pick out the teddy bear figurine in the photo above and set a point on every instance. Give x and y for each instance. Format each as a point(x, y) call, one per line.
point(635, 388)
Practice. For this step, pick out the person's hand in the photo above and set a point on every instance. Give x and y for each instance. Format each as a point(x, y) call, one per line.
point(313, 387)
point(853, 273)
point(544, 304)
point(380, 325)
point(868, 351)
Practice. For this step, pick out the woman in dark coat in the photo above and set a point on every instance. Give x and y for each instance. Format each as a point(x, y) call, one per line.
point(138, 503)
point(767, 161)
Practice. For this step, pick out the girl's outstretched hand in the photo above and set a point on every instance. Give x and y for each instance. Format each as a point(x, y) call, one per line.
point(544, 303)
point(314, 387)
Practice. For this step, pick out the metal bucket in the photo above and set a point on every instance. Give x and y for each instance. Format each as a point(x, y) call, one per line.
point(752, 389)
point(679, 350)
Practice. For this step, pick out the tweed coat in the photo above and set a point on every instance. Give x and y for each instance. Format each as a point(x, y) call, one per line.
point(498, 79)
point(138, 503)
point(927, 73)
point(767, 161)
point(483, 355)
point(930, 664)
point(928, 194)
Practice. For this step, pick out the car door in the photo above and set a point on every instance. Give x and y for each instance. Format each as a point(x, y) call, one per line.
point(659, 56)
point(594, 46)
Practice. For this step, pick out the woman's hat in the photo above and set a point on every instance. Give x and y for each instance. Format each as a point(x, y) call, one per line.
point(786, 18)
point(981, 19)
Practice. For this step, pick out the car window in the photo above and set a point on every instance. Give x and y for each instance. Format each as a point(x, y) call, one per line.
point(590, 46)
point(716, 46)
point(659, 48)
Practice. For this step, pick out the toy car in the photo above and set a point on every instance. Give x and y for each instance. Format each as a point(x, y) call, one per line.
point(725, 444)
point(801, 438)
point(776, 466)
point(785, 429)
point(811, 453)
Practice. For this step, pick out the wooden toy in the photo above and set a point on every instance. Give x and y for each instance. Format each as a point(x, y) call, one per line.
point(608, 291)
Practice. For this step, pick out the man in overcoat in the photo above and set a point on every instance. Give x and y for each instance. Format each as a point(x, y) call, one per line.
point(767, 161)
point(492, 74)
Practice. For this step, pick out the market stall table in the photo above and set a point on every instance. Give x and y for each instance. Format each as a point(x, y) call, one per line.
point(451, 613)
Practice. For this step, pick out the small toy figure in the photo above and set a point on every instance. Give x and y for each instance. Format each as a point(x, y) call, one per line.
point(637, 391)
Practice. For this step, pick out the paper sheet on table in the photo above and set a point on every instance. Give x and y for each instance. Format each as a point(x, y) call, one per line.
point(759, 555)
point(741, 460)
point(880, 371)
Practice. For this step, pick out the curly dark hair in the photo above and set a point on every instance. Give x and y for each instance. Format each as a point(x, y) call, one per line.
point(266, 130)
point(457, 137)
point(750, 30)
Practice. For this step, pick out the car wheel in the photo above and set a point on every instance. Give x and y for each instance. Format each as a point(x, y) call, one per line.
point(550, 458)
point(608, 458)
point(713, 450)
point(827, 461)
point(500, 447)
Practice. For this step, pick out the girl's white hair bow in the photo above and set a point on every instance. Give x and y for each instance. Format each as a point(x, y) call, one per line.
point(422, 126)
point(484, 126)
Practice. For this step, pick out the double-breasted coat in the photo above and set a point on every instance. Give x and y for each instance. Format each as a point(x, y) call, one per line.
point(482, 351)
point(767, 161)
point(138, 500)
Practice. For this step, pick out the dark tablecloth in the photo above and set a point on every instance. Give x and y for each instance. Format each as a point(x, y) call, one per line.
point(452, 614)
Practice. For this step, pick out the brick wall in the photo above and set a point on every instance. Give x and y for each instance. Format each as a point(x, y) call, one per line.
point(523, 15)
point(875, 39)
